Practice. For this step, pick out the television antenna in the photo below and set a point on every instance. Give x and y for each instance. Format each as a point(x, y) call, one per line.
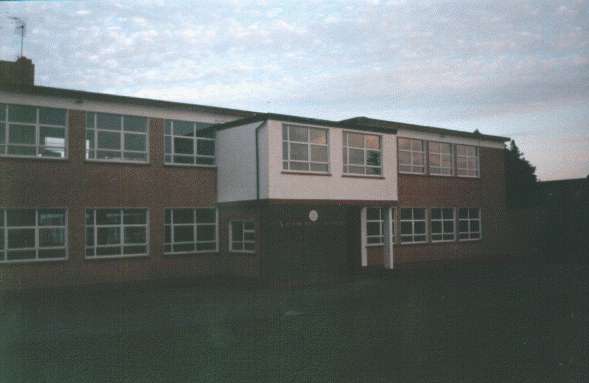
point(20, 28)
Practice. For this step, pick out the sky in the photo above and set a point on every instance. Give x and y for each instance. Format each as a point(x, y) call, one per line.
point(512, 68)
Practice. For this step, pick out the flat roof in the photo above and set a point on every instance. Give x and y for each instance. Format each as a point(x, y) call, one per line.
point(247, 116)
point(302, 120)
point(105, 97)
point(366, 121)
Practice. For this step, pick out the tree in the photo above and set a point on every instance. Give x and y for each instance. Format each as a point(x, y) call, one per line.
point(521, 180)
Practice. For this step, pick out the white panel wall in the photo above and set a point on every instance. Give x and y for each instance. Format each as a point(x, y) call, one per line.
point(283, 185)
point(236, 163)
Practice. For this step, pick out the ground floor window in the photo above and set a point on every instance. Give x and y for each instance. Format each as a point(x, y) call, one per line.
point(375, 226)
point(242, 236)
point(442, 224)
point(469, 223)
point(112, 233)
point(413, 225)
point(32, 234)
point(189, 231)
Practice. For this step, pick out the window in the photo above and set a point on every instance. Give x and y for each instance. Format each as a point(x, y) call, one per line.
point(362, 154)
point(393, 225)
point(33, 235)
point(413, 227)
point(113, 137)
point(112, 233)
point(189, 231)
point(440, 158)
point(305, 149)
point(242, 236)
point(469, 223)
point(375, 226)
point(189, 143)
point(443, 224)
point(467, 160)
point(29, 131)
point(411, 156)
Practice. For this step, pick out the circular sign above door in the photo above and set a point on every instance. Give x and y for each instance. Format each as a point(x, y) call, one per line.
point(313, 215)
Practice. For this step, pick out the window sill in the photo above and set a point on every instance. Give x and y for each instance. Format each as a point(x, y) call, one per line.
point(117, 162)
point(303, 173)
point(189, 165)
point(17, 157)
point(31, 261)
point(415, 243)
point(470, 240)
point(192, 253)
point(114, 257)
point(375, 245)
point(439, 175)
point(363, 176)
point(245, 253)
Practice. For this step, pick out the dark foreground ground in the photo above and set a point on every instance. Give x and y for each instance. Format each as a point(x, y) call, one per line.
point(465, 323)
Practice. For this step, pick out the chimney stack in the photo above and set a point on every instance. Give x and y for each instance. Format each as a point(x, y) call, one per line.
point(20, 72)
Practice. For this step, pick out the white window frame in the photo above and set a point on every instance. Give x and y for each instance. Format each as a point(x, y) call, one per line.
point(412, 220)
point(309, 144)
point(412, 155)
point(439, 170)
point(195, 226)
point(380, 221)
point(244, 231)
point(442, 220)
point(346, 147)
point(468, 220)
point(5, 228)
point(195, 141)
point(122, 133)
point(467, 171)
point(121, 227)
point(37, 126)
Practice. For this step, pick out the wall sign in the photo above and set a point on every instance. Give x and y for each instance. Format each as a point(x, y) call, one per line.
point(313, 215)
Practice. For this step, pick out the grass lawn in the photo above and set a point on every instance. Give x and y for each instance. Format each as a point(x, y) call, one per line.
point(465, 323)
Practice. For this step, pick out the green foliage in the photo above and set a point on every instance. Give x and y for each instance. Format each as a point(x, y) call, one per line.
point(521, 180)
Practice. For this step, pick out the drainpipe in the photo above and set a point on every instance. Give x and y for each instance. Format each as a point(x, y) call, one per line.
point(258, 160)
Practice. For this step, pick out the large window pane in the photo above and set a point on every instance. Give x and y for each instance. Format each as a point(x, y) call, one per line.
point(22, 113)
point(52, 116)
point(108, 121)
point(21, 134)
point(51, 237)
point(21, 238)
point(135, 124)
point(109, 140)
point(20, 217)
point(135, 142)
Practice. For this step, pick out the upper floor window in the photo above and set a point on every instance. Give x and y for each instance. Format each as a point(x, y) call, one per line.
point(440, 158)
point(469, 223)
point(189, 231)
point(242, 236)
point(114, 137)
point(189, 143)
point(116, 233)
point(467, 161)
point(32, 234)
point(411, 156)
point(362, 154)
point(29, 131)
point(305, 149)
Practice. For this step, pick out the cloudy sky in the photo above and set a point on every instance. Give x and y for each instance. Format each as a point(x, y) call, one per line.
point(514, 68)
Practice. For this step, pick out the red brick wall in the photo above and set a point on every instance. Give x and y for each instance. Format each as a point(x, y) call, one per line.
point(486, 192)
point(77, 184)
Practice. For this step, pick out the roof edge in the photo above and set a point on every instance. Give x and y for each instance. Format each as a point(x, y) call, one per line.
point(424, 128)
